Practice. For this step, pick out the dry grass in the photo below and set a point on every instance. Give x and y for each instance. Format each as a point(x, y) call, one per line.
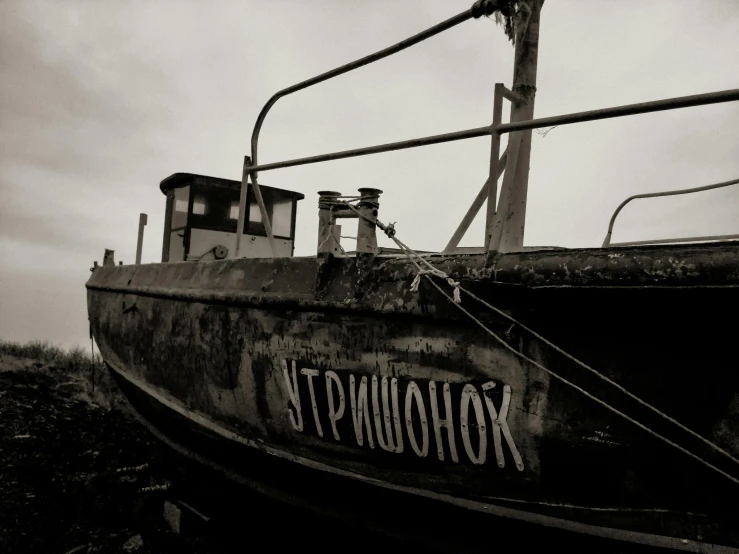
point(88, 380)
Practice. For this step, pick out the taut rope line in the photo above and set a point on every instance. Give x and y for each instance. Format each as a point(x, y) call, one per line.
point(390, 232)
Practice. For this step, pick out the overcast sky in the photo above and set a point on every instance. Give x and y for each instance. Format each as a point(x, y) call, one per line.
point(99, 101)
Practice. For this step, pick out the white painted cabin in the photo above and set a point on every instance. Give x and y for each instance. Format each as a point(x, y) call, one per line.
point(202, 215)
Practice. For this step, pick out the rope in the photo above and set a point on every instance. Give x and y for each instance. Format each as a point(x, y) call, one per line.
point(603, 377)
point(586, 393)
point(457, 301)
point(438, 273)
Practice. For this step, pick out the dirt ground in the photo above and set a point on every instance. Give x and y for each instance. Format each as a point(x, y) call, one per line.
point(80, 475)
point(77, 473)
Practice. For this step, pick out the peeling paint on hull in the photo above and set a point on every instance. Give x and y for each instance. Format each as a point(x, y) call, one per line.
point(246, 344)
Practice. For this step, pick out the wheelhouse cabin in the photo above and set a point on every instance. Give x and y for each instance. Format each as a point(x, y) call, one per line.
point(202, 215)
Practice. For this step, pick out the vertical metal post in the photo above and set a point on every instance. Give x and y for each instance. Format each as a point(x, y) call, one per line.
point(167, 226)
point(494, 161)
point(511, 218)
point(242, 205)
point(368, 205)
point(140, 243)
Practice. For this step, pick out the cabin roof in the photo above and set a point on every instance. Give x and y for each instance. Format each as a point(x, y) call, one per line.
point(177, 180)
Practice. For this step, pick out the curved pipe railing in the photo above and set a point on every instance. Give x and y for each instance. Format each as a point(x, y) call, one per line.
point(607, 240)
point(478, 9)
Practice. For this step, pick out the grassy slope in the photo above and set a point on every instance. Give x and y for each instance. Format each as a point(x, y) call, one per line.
point(76, 470)
point(91, 381)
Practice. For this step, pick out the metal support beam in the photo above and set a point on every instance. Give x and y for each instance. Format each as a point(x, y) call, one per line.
point(495, 165)
point(265, 216)
point(242, 210)
point(510, 95)
point(242, 207)
point(514, 147)
point(477, 203)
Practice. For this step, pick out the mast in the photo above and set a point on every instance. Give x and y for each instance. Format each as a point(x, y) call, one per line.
point(510, 217)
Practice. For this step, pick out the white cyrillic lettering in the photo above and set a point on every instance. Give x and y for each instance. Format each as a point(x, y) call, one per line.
point(447, 423)
point(292, 392)
point(501, 425)
point(414, 393)
point(333, 414)
point(388, 444)
point(310, 373)
point(360, 411)
point(470, 393)
point(396, 414)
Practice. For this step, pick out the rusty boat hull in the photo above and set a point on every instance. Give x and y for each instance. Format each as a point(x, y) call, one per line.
point(337, 370)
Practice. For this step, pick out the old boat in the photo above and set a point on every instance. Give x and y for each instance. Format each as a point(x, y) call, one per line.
point(594, 390)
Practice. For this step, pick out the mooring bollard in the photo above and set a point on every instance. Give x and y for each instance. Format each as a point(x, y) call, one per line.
point(369, 204)
point(328, 231)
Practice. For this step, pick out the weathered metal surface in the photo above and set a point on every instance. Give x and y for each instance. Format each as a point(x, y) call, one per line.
point(426, 400)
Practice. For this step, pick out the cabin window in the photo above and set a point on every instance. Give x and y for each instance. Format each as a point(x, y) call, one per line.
point(179, 214)
point(282, 218)
point(217, 209)
point(198, 205)
point(280, 209)
point(255, 214)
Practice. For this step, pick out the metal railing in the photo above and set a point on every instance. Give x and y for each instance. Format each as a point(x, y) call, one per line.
point(478, 9)
point(607, 241)
point(481, 7)
point(578, 117)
